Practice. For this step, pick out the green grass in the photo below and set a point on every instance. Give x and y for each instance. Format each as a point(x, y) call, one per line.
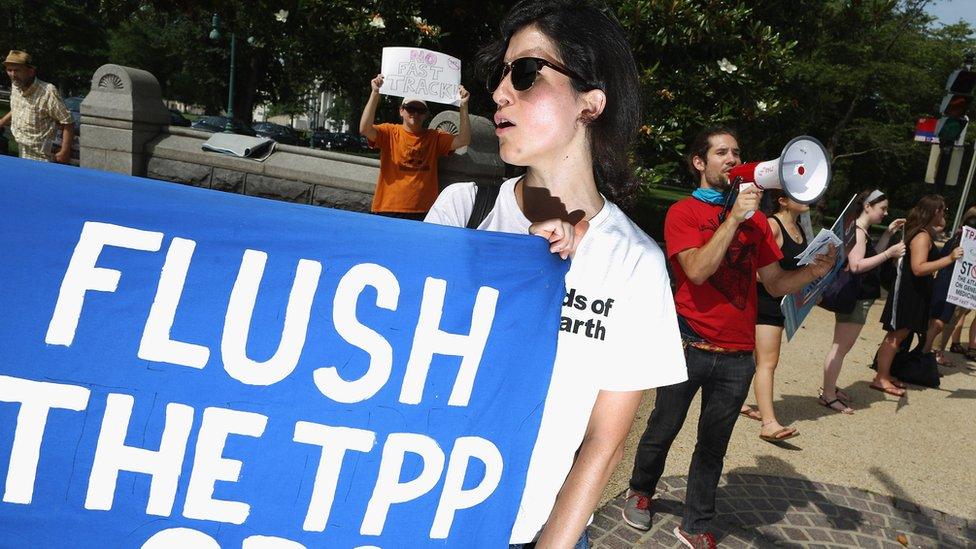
point(671, 194)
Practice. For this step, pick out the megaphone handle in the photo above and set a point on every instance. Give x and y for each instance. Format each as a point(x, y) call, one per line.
point(742, 187)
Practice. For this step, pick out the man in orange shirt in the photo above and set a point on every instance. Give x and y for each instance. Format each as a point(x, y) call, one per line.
point(407, 186)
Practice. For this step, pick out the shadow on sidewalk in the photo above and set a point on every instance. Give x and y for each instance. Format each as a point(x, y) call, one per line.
point(762, 510)
point(756, 507)
point(782, 502)
point(793, 408)
point(918, 519)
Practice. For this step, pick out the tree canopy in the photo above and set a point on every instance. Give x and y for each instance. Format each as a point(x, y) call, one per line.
point(854, 74)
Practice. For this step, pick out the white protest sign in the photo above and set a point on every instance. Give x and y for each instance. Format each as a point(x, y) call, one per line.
point(962, 287)
point(421, 74)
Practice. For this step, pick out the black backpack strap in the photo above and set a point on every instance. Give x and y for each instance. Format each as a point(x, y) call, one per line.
point(484, 201)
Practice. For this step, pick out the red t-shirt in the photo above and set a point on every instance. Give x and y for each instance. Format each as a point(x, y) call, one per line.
point(723, 309)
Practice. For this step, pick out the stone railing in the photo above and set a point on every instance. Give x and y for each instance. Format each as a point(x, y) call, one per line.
point(125, 129)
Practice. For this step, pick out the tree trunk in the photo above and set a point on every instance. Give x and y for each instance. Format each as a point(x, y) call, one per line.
point(244, 102)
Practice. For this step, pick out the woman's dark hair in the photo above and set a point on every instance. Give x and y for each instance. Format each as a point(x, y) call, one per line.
point(770, 201)
point(700, 145)
point(862, 198)
point(922, 215)
point(592, 44)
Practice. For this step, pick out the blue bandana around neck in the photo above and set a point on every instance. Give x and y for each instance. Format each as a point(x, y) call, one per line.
point(709, 196)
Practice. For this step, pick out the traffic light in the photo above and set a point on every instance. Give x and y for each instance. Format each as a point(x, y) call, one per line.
point(955, 105)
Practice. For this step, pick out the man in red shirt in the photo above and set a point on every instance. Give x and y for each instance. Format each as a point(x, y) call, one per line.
point(714, 261)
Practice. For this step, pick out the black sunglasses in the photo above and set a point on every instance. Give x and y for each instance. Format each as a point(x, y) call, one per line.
point(524, 71)
point(414, 110)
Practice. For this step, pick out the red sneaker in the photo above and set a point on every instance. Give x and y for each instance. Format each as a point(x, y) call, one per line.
point(695, 541)
point(637, 510)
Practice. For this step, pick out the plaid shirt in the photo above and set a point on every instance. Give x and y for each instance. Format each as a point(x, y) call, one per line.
point(36, 113)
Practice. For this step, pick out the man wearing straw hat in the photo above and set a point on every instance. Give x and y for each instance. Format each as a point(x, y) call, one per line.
point(36, 112)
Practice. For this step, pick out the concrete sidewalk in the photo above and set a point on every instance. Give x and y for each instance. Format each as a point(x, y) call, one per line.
point(899, 472)
point(772, 511)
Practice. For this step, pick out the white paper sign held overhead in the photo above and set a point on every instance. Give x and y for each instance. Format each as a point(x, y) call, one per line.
point(421, 74)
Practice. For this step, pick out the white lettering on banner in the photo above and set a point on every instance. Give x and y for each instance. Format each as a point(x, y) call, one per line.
point(453, 496)
point(82, 274)
point(194, 539)
point(112, 456)
point(270, 542)
point(163, 461)
point(180, 537)
point(237, 324)
point(36, 399)
point(209, 465)
point(156, 344)
point(389, 490)
point(429, 339)
point(334, 441)
point(380, 351)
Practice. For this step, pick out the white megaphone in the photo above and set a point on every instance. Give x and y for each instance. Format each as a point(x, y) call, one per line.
point(802, 171)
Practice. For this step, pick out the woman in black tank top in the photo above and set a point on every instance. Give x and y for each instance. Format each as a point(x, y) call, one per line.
point(782, 214)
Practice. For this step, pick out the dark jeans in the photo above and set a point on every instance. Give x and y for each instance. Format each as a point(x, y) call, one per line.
point(724, 382)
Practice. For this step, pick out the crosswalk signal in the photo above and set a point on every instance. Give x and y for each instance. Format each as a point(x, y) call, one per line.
point(956, 103)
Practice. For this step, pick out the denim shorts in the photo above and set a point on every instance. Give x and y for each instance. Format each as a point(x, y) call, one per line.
point(859, 315)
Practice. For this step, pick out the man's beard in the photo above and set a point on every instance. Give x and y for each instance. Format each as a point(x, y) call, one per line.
point(721, 183)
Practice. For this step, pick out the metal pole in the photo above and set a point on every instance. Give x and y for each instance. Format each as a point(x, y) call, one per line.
point(965, 191)
point(230, 86)
point(942, 172)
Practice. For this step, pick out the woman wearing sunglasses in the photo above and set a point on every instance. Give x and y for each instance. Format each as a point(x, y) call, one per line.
point(565, 87)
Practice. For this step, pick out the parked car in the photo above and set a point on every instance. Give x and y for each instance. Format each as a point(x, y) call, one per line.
point(217, 124)
point(323, 140)
point(339, 141)
point(73, 105)
point(282, 134)
point(176, 118)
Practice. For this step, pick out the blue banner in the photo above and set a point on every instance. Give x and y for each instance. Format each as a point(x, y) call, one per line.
point(184, 366)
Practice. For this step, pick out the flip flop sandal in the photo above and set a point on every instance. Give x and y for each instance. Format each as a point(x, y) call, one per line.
point(846, 410)
point(844, 397)
point(958, 348)
point(889, 390)
point(751, 413)
point(775, 437)
point(941, 360)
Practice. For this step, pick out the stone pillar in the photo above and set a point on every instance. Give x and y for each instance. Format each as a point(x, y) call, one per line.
point(122, 112)
point(479, 161)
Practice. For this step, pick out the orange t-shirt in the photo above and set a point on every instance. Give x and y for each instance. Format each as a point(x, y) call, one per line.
point(408, 168)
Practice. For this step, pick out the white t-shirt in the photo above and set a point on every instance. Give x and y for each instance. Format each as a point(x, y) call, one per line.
point(618, 332)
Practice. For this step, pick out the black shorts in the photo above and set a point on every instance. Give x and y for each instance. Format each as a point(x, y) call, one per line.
point(770, 320)
point(942, 311)
point(769, 312)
